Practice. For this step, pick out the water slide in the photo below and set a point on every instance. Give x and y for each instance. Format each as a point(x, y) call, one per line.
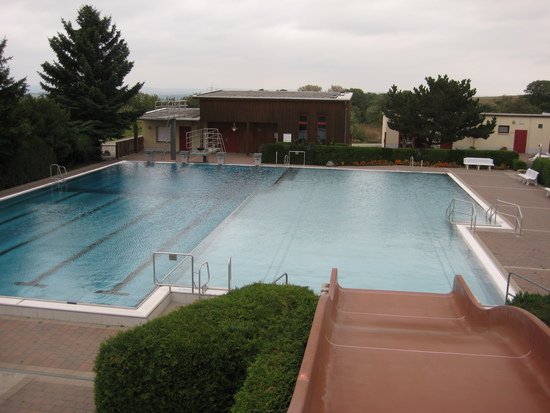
point(385, 351)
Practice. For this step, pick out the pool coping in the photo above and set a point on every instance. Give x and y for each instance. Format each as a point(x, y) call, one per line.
point(159, 299)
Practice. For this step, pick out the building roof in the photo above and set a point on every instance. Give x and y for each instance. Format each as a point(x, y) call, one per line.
point(283, 95)
point(519, 115)
point(192, 114)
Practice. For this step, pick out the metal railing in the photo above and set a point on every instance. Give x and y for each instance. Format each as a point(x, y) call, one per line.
point(58, 173)
point(284, 275)
point(494, 210)
point(523, 278)
point(287, 157)
point(173, 256)
point(183, 258)
point(471, 211)
point(203, 287)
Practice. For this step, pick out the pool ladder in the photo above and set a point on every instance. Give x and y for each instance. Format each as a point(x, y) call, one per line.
point(197, 285)
point(58, 174)
point(454, 208)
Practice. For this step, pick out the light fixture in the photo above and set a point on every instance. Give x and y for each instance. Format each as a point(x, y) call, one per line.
point(234, 127)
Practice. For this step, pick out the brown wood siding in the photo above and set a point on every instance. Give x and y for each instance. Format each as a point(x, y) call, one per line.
point(281, 115)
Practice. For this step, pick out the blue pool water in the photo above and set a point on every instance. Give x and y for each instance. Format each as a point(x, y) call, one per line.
point(93, 240)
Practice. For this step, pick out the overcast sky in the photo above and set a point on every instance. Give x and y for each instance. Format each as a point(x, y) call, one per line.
point(501, 45)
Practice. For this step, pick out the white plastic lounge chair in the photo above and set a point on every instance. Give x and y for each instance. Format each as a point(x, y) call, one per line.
point(547, 191)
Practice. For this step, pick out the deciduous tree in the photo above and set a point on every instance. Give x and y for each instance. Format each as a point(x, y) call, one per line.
point(310, 88)
point(538, 93)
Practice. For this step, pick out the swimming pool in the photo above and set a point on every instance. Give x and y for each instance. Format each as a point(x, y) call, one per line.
point(92, 241)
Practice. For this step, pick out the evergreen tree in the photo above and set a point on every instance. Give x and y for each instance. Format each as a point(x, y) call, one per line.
point(87, 78)
point(444, 112)
point(11, 92)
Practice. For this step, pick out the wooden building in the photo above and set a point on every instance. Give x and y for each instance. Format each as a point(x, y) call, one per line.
point(249, 119)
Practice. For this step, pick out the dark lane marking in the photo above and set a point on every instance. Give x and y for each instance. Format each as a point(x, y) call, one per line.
point(43, 234)
point(35, 282)
point(165, 246)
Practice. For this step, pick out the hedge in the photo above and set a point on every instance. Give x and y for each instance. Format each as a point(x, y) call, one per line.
point(358, 155)
point(31, 163)
point(245, 346)
point(542, 165)
point(536, 304)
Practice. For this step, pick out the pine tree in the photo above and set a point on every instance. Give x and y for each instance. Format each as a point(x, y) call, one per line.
point(87, 78)
point(11, 92)
point(443, 112)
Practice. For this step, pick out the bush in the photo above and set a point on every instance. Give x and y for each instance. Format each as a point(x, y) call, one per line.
point(518, 164)
point(357, 155)
point(276, 152)
point(32, 162)
point(536, 304)
point(542, 165)
point(199, 357)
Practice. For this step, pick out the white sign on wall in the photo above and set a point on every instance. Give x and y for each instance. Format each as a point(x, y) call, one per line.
point(287, 137)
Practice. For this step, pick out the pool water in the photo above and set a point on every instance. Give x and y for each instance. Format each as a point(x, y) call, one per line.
point(92, 240)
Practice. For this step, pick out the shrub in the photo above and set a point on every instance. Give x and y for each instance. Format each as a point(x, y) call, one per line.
point(542, 165)
point(518, 164)
point(536, 304)
point(357, 155)
point(198, 357)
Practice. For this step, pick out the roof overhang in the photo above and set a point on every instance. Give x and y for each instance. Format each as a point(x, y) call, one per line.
point(275, 95)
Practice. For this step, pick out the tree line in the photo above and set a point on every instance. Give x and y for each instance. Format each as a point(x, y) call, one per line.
point(87, 102)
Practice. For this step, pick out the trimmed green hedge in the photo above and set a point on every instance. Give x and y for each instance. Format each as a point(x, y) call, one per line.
point(542, 165)
point(536, 304)
point(245, 346)
point(351, 155)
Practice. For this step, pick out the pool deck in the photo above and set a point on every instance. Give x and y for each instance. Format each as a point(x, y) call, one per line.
point(46, 365)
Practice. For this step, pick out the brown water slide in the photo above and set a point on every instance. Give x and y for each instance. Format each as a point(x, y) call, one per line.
point(384, 351)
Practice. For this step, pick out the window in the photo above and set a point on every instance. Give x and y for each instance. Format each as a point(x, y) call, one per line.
point(540, 125)
point(503, 129)
point(163, 134)
point(302, 129)
point(322, 128)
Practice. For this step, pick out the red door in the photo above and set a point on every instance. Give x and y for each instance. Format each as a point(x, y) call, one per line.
point(230, 137)
point(520, 141)
point(182, 136)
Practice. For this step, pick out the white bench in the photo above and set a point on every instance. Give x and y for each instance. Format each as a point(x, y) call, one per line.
point(530, 176)
point(478, 162)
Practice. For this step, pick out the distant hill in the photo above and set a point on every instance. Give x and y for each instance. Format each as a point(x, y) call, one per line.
point(490, 99)
point(162, 93)
point(178, 93)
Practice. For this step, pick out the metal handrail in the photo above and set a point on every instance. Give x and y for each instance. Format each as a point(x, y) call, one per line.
point(523, 278)
point(202, 287)
point(229, 274)
point(285, 275)
point(296, 153)
point(472, 214)
point(174, 254)
point(60, 171)
point(493, 211)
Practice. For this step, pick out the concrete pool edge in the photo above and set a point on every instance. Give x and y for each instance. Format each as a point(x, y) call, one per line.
point(150, 308)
